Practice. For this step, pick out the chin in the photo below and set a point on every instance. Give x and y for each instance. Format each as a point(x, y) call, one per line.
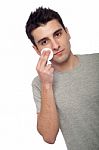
point(62, 59)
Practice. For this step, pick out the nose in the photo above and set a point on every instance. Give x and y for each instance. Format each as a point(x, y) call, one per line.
point(55, 45)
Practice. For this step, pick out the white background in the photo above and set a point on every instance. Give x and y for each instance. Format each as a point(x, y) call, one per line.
point(18, 61)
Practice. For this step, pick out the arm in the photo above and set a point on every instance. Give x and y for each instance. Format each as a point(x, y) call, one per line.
point(48, 120)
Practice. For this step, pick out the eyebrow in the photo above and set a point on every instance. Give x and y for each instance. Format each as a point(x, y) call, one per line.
point(59, 30)
point(46, 38)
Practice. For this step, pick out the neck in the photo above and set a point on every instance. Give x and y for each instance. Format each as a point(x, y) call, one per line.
point(68, 65)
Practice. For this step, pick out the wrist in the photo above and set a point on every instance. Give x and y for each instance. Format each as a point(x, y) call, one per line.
point(46, 85)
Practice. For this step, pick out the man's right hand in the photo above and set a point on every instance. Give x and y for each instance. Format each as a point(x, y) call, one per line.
point(45, 71)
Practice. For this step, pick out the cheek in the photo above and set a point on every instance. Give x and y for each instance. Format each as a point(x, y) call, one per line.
point(64, 40)
point(65, 43)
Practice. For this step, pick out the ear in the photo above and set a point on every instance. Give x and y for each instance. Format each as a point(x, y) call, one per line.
point(66, 29)
point(36, 49)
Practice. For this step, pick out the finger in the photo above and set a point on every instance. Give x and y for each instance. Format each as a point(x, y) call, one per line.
point(44, 58)
point(51, 70)
point(48, 66)
point(43, 61)
point(39, 61)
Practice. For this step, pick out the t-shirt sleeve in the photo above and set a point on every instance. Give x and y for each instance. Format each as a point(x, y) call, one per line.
point(36, 93)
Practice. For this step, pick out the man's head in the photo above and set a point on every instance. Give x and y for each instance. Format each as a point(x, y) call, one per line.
point(45, 29)
point(40, 17)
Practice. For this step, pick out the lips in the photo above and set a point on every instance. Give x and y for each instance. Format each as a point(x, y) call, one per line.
point(58, 52)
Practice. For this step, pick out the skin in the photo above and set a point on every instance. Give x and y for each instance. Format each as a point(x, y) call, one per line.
point(53, 36)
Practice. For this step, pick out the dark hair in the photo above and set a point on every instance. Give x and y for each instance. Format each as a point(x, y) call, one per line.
point(39, 17)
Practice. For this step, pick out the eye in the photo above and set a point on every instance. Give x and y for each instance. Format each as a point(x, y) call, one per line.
point(44, 42)
point(58, 34)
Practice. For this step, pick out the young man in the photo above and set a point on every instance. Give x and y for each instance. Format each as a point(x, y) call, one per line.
point(66, 92)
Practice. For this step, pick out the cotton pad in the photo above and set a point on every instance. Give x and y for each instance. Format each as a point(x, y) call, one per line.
point(51, 54)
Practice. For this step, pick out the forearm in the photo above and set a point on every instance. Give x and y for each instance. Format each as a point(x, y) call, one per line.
point(48, 121)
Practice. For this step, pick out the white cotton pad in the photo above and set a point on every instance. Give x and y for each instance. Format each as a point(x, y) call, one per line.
point(51, 54)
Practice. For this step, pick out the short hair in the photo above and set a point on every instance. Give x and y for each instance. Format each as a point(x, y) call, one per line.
point(38, 17)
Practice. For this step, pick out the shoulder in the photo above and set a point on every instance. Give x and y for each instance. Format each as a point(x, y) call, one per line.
point(89, 57)
point(93, 56)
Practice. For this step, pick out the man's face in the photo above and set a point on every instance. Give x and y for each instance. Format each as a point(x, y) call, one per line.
point(52, 35)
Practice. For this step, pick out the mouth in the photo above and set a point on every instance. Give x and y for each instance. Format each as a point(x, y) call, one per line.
point(59, 52)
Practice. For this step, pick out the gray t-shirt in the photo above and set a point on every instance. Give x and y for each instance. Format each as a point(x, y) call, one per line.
point(77, 100)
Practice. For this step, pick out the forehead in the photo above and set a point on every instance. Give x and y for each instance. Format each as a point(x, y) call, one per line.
point(47, 29)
